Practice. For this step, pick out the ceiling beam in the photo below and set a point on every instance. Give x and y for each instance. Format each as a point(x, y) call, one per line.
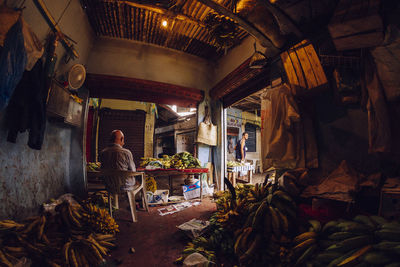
point(248, 99)
point(115, 87)
point(242, 23)
point(283, 18)
point(163, 11)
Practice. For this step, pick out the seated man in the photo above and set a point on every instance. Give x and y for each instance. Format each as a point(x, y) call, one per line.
point(114, 156)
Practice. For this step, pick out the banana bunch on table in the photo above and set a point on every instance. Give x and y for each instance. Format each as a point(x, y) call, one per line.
point(145, 161)
point(93, 166)
point(185, 160)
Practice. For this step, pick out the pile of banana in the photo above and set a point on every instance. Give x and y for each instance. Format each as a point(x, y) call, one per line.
point(200, 245)
point(99, 198)
point(93, 166)
point(99, 219)
point(260, 221)
point(88, 229)
point(28, 239)
point(181, 160)
point(185, 160)
point(164, 162)
point(233, 163)
point(363, 241)
point(264, 230)
point(89, 251)
point(145, 161)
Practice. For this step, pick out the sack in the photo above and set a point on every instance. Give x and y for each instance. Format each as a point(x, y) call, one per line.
point(207, 134)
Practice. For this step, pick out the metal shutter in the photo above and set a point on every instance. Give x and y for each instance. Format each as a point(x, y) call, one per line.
point(131, 123)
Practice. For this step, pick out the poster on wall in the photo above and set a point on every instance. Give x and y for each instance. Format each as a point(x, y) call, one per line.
point(232, 140)
point(234, 117)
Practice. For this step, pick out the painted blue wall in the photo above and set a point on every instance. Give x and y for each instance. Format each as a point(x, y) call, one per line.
point(30, 177)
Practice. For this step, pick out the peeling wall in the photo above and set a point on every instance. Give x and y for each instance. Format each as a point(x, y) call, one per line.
point(30, 177)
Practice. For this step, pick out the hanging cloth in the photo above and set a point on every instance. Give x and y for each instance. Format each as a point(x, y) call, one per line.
point(33, 47)
point(12, 63)
point(287, 140)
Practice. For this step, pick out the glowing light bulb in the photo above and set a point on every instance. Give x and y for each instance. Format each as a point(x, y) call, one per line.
point(164, 23)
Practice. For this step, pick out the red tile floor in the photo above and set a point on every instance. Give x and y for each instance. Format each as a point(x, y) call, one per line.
point(156, 239)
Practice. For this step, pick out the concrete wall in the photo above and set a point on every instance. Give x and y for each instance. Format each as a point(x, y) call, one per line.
point(234, 58)
point(143, 61)
point(29, 177)
point(150, 119)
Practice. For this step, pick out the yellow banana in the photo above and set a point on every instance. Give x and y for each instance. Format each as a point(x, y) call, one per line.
point(4, 259)
point(72, 257)
point(41, 227)
point(66, 253)
point(304, 245)
point(304, 236)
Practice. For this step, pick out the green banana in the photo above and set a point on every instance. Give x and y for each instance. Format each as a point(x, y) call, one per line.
point(276, 228)
point(327, 256)
point(388, 235)
point(329, 227)
point(306, 255)
point(341, 235)
point(386, 245)
point(378, 258)
point(259, 215)
point(351, 243)
point(378, 220)
point(354, 257)
point(395, 226)
point(364, 220)
point(350, 226)
point(338, 260)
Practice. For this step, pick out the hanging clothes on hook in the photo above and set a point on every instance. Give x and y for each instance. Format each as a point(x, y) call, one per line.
point(12, 63)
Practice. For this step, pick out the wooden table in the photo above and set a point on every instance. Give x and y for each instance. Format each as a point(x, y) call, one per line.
point(170, 173)
point(233, 173)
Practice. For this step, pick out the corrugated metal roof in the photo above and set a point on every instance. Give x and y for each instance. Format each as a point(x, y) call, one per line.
point(141, 21)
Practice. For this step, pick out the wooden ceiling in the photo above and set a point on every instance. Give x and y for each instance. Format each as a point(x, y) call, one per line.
point(142, 21)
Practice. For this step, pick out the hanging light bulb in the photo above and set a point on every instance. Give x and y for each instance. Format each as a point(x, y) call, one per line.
point(258, 59)
point(164, 23)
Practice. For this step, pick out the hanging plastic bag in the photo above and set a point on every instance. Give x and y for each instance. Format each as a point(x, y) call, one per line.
point(12, 63)
point(207, 132)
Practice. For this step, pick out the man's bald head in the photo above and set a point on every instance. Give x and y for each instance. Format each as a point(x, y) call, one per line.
point(117, 137)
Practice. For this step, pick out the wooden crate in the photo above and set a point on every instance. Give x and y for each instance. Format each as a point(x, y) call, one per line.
point(303, 68)
point(356, 24)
